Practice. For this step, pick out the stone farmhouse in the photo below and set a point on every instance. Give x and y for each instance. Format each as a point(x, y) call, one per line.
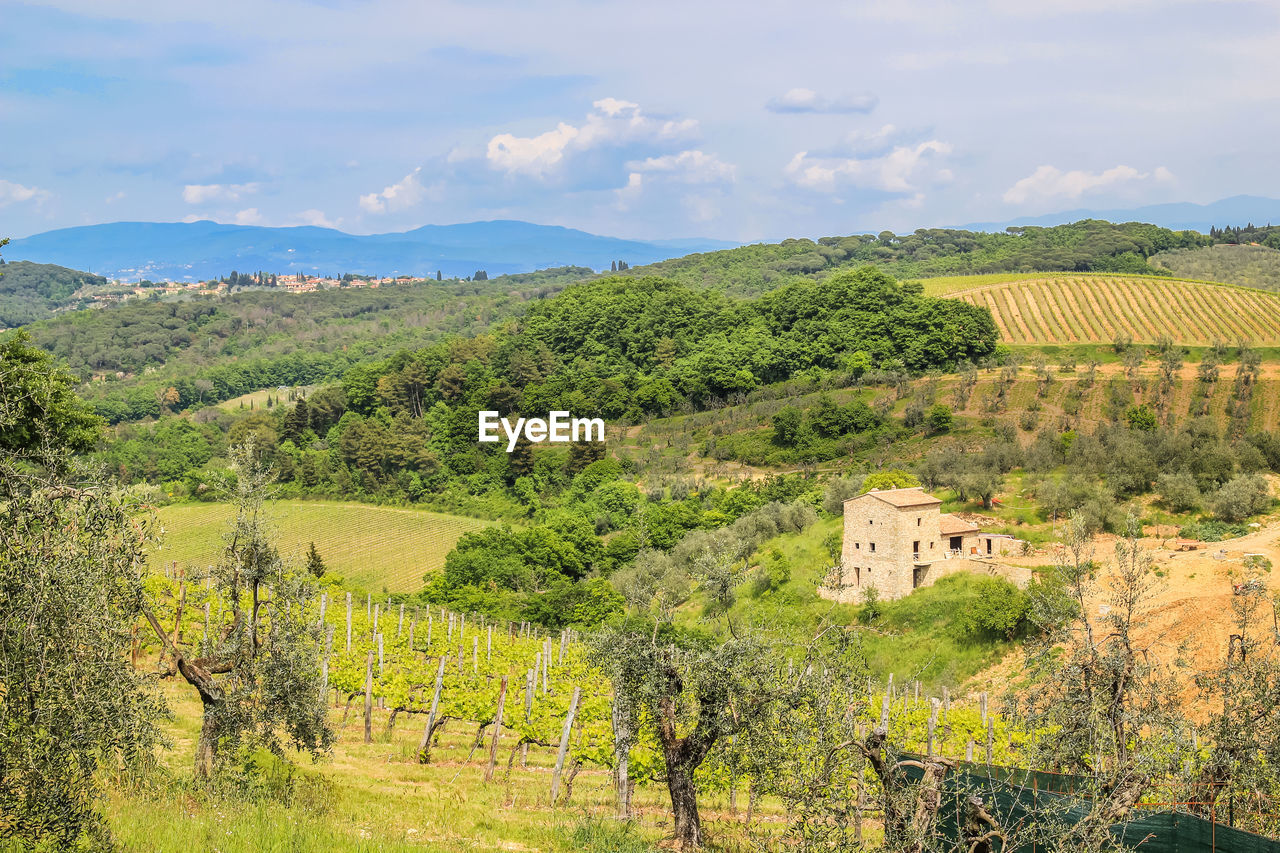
point(898, 540)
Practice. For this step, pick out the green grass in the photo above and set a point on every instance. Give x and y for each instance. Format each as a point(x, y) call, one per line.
point(371, 546)
point(258, 399)
point(363, 798)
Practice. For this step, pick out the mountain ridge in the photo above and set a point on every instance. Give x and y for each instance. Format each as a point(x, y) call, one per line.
point(205, 249)
point(1180, 215)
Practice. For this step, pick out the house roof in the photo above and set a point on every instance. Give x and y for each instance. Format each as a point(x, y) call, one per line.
point(950, 525)
point(901, 498)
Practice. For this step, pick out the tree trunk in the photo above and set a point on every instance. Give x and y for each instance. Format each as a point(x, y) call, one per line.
point(207, 746)
point(684, 805)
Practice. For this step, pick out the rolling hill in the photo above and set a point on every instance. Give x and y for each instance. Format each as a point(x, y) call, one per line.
point(30, 292)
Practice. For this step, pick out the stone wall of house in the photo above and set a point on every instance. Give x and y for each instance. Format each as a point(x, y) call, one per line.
point(891, 567)
point(894, 531)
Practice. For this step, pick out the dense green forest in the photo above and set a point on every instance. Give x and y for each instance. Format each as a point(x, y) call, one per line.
point(31, 292)
point(212, 349)
point(1089, 245)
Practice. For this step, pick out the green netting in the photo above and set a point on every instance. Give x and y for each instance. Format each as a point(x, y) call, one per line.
point(1017, 798)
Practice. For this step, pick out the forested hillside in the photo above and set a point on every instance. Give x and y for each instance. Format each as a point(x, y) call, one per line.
point(210, 349)
point(30, 292)
point(1237, 263)
point(1090, 245)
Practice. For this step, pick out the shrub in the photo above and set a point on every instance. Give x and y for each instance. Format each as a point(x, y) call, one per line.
point(1178, 491)
point(890, 478)
point(777, 568)
point(939, 419)
point(1241, 497)
point(999, 611)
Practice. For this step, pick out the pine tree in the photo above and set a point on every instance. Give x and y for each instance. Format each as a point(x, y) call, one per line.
point(315, 565)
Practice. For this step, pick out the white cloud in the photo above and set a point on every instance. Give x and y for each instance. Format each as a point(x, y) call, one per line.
point(693, 166)
point(317, 218)
point(408, 192)
point(11, 193)
point(623, 196)
point(809, 101)
point(202, 193)
point(611, 122)
point(1050, 182)
point(248, 216)
point(901, 170)
point(112, 199)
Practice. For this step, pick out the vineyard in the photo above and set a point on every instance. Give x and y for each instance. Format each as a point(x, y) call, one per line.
point(376, 547)
point(1070, 309)
point(525, 713)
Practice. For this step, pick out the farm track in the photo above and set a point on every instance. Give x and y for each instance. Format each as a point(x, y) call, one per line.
point(1097, 309)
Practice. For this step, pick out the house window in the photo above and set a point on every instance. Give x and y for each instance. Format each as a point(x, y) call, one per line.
point(871, 521)
point(857, 545)
point(917, 521)
point(915, 547)
point(988, 546)
point(873, 545)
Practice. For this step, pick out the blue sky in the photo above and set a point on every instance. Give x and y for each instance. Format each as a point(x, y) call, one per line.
point(739, 121)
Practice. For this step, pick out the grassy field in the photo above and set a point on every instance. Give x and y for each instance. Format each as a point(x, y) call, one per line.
point(1095, 309)
point(376, 797)
point(376, 547)
point(258, 399)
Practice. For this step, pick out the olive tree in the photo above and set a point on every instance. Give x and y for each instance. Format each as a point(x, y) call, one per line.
point(257, 672)
point(70, 591)
point(1101, 683)
point(696, 690)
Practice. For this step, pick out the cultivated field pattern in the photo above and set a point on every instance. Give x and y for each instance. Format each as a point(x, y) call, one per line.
point(377, 547)
point(1096, 309)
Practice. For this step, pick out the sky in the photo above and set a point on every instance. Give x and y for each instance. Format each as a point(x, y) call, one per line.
point(737, 121)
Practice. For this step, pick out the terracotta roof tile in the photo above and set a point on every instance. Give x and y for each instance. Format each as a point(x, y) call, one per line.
point(905, 497)
point(949, 525)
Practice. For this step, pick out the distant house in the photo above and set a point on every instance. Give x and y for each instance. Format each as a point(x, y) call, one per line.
point(898, 540)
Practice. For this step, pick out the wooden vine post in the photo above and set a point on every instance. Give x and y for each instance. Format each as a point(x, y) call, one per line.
point(564, 744)
point(528, 711)
point(424, 745)
point(497, 731)
point(368, 699)
point(324, 670)
point(348, 623)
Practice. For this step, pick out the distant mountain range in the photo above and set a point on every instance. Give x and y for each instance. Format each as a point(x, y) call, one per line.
point(202, 250)
point(1180, 216)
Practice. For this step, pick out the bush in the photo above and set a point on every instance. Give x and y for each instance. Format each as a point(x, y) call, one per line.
point(1241, 497)
point(872, 608)
point(1212, 531)
point(777, 568)
point(939, 419)
point(891, 478)
point(1178, 491)
point(998, 612)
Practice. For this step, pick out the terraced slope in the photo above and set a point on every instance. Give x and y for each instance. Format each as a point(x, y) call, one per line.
point(1096, 308)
